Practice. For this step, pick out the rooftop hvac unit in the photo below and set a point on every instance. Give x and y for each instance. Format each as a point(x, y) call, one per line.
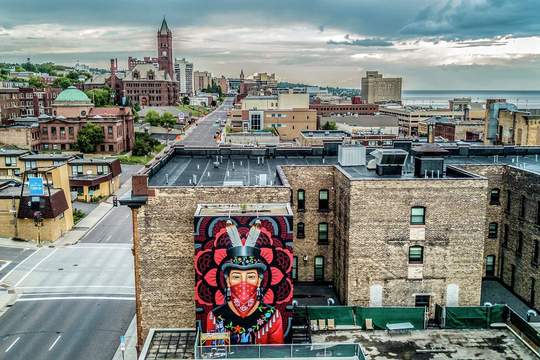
point(389, 161)
point(351, 155)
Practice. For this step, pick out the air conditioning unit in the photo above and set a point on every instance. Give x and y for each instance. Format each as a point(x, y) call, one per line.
point(351, 155)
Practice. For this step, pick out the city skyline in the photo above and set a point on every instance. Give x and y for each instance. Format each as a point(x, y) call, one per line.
point(437, 45)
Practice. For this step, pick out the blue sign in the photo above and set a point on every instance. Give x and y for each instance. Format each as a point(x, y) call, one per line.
point(35, 186)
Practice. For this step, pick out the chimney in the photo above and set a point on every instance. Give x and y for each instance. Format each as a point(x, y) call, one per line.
point(114, 64)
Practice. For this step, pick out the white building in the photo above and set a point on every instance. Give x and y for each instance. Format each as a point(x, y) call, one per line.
point(184, 75)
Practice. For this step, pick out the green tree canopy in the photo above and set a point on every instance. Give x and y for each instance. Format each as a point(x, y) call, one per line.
point(36, 82)
point(330, 125)
point(168, 119)
point(89, 137)
point(100, 97)
point(185, 100)
point(144, 144)
point(152, 117)
point(62, 82)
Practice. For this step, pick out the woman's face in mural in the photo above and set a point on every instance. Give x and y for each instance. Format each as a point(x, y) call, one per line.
point(243, 276)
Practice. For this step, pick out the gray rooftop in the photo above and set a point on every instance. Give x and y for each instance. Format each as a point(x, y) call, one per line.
point(12, 152)
point(45, 156)
point(244, 171)
point(326, 133)
point(364, 120)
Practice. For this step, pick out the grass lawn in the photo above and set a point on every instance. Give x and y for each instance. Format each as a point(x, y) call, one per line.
point(140, 160)
point(195, 110)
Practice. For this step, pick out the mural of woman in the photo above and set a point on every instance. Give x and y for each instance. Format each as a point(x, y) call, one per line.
point(244, 314)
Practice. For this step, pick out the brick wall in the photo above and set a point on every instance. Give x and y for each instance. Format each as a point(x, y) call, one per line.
point(312, 179)
point(166, 249)
point(379, 238)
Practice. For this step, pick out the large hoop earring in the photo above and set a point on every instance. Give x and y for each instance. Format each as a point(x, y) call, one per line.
point(259, 294)
point(228, 294)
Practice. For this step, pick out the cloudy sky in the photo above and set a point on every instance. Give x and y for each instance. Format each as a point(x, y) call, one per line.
point(432, 44)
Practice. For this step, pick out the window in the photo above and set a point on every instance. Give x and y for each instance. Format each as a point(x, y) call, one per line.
point(11, 161)
point(519, 248)
point(28, 165)
point(422, 301)
point(319, 268)
point(522, 207)
point(533, 292)
point(323, 200)
point(323, 233)
point(492, 230)
point(490, 265)
point(508, 200)
point(418, 215)
point(111, 148)
point(300, 231)
point(256, 122)
point(62, 132)
point(538, 213)
point(71, 131)
point(535, 253)
point(76, 170)
point(53, 131)
point(78, 189)
point(294, 271)
point(506, 234)
point(494, 198)
point(301, 199)
point(109, 130)
point(512, 276)
point(416, 255)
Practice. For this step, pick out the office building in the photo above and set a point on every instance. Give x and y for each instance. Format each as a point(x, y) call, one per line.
point(377, 90)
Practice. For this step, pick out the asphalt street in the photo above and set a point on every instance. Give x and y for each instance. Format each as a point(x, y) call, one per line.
point(76, 301)
point(203, 133)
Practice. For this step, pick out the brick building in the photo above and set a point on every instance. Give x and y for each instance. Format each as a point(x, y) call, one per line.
point(148, 82)
point(384, 231)
point(36, 102)
point(72, 110)
point(10, 105)
point(324, 109)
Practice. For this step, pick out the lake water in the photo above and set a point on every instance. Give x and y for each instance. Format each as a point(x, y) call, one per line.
point(439, 98)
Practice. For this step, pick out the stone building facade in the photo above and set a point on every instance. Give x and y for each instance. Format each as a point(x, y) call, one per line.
point(376, 89)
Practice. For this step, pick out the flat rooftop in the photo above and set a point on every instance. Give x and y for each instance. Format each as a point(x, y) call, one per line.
point(432, 344)
point(325, 134)
point(244, 171)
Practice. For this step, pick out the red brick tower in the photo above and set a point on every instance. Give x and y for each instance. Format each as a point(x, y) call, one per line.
point(165, 57)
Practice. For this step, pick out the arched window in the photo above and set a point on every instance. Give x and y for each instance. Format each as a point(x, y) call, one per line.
point(323, 200)
point(416, 254)
point(495, 197)
point(135, 74)
point(418, 215)
point(300, 231)
point(301, 200)
point(150, 75)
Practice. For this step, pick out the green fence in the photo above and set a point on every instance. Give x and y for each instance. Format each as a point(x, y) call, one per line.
point(523, 327)
point(342, 315)
point(384, 315)
point(474, 317)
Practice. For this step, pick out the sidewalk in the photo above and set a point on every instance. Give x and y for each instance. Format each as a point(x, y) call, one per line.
point(131, 341)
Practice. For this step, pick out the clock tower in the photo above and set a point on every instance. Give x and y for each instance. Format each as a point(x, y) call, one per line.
point(165, 57)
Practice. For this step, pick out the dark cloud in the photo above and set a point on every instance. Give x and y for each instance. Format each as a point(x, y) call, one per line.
point(466, 19)
point(361, 42)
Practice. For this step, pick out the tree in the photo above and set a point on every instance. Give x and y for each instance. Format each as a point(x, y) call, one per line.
point(62, 82)
point(73, 76)
point(152, 117)
point(168, 119)
point(330, 125)
point(137, 107)
point(100, 97)
point(144, 144)
point(19, 69)
point(36, 82)
point(29, 67)
point(185, 100)
point(89, 137)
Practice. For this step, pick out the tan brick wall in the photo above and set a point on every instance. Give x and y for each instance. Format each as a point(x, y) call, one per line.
point(166, 249)
point(521, 183)
point(312, 179)
point(379, 238)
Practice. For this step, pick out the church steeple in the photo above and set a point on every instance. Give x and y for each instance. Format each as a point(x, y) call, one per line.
point(165, 56)
point(242, 74)
point(164, 30)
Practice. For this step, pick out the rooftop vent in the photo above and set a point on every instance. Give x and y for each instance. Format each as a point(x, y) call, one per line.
point(389, 161)
point(429, 161)
point(351, 155)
